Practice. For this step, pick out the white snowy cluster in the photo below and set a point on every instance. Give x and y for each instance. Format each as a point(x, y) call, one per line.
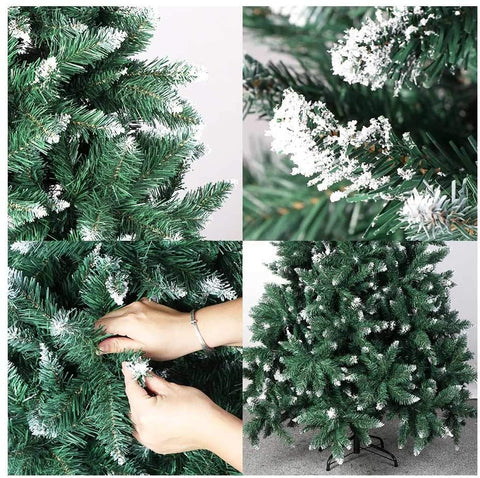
point(446, 432)
point(53, 136)
point(331, 413)
point(250, 402)
point(39, 428)
point(14, 334)
point(118, 456)
point(422, 433)
point(46, 357)
point(111, 38)
point(114, 128)
point(406, 173)
point(45, 70)
point(356, 302)
point(175, 106)
point(157, 129)
point(424, 210)
point(117, 287)
point(140, 368)
point(176, 289)
point(416, 450)
point(321, 147)
point(151, 13)
point(128, 144)
point(127, 237)
point(89, 234)
point(20, 31)
point(218, 287)
point(365, 55)
point(14, 276)
point(22, 247)
point(59, 323)
point(36, 211)
point(117, 280)
point(54, 194)
point(77, 26)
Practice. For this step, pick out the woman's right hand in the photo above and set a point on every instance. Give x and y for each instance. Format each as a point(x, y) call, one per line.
point(171, 418)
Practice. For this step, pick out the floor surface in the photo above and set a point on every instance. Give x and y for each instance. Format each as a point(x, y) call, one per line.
point(274, 457)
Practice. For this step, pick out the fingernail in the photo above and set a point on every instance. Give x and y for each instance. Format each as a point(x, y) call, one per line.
point(103, 348)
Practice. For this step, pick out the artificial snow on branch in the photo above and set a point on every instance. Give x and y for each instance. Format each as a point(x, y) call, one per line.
point(321, 147)
point(398, 44)
point(366, 149)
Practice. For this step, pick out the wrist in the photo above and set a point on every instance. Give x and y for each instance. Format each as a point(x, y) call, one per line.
point(225, 437)
point(195, 325)
point(186, 334)
point(207, 328)
point(210, 427)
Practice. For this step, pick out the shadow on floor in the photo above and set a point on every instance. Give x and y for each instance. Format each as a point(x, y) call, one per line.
point(274, 457)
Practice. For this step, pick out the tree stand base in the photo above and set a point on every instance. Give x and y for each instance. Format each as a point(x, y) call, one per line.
point(375, 449)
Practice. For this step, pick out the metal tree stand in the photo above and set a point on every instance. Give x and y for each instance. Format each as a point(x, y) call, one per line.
point(375, 449)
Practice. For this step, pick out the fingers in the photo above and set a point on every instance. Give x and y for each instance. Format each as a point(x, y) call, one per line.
point(114, 313)
point(115, 325)
point(156, 305)
point(121, 312)
point(115, 345)
point(157, 385)
point(135, 393)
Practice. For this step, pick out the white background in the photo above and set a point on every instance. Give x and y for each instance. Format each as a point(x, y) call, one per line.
point(210, 37)
point(462, 259)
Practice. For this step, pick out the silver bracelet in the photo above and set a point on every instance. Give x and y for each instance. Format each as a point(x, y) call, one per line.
point(204, 345)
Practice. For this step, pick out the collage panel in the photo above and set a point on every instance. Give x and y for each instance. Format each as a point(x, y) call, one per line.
point(106, 141)
point(360, 358)
point(360, 123)
point(91, 324)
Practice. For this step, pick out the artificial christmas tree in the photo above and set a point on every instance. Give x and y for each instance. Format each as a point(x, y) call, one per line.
point(68, 413)
point(357, 333)
point(99, 142)
point(374, 112)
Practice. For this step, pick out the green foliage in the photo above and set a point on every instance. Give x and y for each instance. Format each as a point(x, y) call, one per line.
point(439, 113)
point(277, 204)
point(356, 333)
point(99, 142)
point(68, 413)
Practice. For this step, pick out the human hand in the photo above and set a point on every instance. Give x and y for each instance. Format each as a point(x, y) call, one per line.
point(163, 333)
point(176, 418)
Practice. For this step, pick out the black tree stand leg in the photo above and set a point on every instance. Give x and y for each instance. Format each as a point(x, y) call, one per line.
point(375, 449)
